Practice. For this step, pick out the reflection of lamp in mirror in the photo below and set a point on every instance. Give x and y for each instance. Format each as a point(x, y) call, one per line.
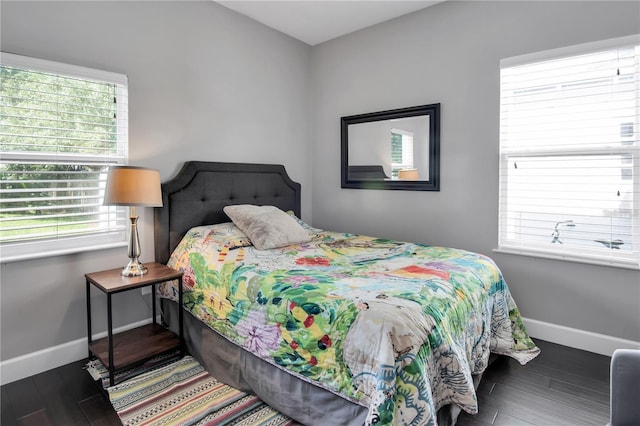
point(408, 174)
point(133, 186)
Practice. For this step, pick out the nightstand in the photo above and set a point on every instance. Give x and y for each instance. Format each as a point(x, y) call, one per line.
point(133, 347)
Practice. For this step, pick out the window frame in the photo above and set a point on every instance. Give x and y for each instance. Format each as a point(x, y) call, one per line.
point(55, 246)
point(595, 256)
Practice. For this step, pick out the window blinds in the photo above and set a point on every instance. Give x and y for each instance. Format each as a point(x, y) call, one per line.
point(569, 147)
point(401, 150)
point(62, 127)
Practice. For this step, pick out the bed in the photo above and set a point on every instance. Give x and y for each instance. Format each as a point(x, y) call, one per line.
point(334, 329)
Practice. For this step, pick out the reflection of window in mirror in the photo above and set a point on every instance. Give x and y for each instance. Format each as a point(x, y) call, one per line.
point(401, 151)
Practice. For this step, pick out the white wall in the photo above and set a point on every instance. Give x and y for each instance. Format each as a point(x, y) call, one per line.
point(452, 52)
point(205, 83)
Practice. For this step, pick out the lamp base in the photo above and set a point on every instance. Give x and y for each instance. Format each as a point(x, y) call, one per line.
point(134, 268)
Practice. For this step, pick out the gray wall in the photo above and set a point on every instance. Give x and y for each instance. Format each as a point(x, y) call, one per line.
point(205, 83)
point(450, 54)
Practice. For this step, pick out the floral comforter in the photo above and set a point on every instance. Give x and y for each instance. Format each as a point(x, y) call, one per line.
point(397, 327)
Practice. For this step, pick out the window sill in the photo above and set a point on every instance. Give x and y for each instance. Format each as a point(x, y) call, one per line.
point(590, 261)
point(40, 255)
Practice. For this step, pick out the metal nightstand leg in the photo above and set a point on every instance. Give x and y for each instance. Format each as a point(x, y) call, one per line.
point(88, 318)
point(110, 331)
point(153, 304)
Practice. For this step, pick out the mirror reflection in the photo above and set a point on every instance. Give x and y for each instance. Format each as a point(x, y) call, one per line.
point(395, 149)
point(399, 147)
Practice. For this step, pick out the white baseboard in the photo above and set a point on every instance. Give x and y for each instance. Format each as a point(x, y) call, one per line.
point(575, 338)
point(37, 362)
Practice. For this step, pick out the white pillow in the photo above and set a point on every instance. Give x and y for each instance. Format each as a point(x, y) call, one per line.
point(267, 226)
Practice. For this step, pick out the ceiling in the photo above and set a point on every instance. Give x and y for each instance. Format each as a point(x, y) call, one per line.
point(316, 21)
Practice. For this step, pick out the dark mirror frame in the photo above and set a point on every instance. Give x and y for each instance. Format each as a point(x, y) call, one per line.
point(432, 112)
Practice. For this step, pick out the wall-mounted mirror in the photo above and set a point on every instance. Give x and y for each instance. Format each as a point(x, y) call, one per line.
point(395, 149)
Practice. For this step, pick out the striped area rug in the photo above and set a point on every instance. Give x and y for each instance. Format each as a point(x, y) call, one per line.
point(183, 393)
point(100, 373)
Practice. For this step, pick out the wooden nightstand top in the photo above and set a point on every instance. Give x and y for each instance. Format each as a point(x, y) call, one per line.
point(110, 281)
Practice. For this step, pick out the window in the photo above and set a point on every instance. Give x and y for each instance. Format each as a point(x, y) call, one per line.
point(569, 153)
point(401, 151)
point(61, 127)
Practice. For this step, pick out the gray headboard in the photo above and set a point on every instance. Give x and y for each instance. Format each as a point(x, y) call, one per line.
point(198, 193)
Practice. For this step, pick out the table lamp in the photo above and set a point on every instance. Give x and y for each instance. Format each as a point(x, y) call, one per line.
point(408, 174)
point(133, 186)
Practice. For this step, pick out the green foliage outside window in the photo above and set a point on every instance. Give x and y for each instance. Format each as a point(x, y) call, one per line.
point(396, 153)
point(47, 121)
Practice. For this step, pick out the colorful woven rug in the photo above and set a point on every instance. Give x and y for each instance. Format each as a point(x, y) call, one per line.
point(99, 372)
point(183, 393)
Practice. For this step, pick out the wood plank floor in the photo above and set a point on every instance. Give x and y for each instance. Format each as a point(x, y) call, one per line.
point(563, 386)
point(66, 395)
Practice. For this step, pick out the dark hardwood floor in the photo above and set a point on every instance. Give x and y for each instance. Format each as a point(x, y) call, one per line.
point(563, 386)
point(66, 395)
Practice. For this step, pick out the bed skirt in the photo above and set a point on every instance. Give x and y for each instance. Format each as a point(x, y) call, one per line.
point(300, 400)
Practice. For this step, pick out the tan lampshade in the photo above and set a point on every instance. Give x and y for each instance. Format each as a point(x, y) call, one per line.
point(133, 186)
point(408, 174)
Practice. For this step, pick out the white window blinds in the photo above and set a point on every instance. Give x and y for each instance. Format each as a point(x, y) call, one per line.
point(569, 153)
point(401, 150)
point(61, 127)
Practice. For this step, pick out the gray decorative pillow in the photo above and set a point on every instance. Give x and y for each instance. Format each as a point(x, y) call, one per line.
point(267, 226)
point(310, 229)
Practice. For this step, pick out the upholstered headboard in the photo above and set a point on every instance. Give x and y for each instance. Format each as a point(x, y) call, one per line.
point(198, 193)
